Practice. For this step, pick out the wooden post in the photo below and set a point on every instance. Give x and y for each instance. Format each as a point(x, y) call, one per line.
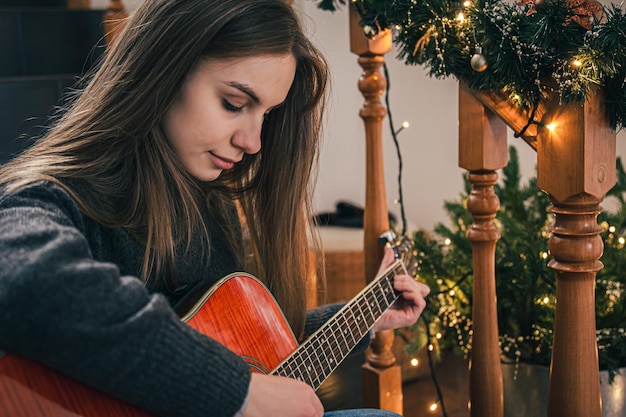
point(483, 150)
point(382, 376)
point(576, 166)
point(78, 4)
point(114, 21)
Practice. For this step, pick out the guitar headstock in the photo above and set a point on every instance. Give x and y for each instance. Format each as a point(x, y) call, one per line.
point(403, 249)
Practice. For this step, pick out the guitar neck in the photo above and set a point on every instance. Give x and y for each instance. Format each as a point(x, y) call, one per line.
point(325, 349)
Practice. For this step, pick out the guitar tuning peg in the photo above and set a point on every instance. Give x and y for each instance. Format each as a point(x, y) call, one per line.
point(388, 238)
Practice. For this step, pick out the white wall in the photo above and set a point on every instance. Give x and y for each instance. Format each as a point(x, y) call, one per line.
point(429, 146)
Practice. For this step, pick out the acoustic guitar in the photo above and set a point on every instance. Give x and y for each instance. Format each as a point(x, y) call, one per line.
point(255, 329)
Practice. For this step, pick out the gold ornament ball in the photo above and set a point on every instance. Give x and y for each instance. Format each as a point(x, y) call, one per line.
point(478, 62)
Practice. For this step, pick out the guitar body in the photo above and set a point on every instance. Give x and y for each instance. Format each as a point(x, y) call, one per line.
point(238, 312)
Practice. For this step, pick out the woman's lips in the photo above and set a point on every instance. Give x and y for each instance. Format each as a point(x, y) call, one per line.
point(221, 163)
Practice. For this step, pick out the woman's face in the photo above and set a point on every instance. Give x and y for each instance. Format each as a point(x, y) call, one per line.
point(217, 116)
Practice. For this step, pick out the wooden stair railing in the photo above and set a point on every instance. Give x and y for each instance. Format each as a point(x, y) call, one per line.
point(114, 20)
point(382, 376)
point(576, 167)
point(482, 151)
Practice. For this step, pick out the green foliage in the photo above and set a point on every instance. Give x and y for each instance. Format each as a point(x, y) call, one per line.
point(568, 47)
point(525, 284)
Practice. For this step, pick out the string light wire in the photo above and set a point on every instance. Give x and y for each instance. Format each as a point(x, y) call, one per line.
point(429, 353)
point(398, 153)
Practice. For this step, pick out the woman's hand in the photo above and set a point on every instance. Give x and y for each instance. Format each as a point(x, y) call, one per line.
point(407, 309)
point(276, 396)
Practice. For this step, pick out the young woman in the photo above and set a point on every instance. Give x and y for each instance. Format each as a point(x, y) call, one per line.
point(204, 112)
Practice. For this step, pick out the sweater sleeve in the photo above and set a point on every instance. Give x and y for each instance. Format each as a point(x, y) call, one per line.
point(79, 316)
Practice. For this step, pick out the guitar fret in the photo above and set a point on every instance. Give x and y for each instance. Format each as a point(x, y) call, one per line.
point(313, 353)
point(322, 353)
point(363, 325)
point(371, 303)
point(328, 364)
point(375, 302)
point(373, 316)
point(343, 347)
point(389, 295)
point(336, 361)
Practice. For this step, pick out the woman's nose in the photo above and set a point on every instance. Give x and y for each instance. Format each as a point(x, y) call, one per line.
point(248, 138)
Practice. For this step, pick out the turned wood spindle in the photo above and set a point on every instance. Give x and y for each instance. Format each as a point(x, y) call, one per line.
point(382, 376)
point(483, 150)
point(114, 21)
point(576, 166)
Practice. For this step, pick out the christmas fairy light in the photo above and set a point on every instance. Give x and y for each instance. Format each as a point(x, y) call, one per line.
point(517, 59)
point(405, 125)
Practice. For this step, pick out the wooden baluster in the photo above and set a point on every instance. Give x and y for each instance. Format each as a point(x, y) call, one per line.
point(114, 20)
point(483, 150)
point(576, 166)
point(382, 377)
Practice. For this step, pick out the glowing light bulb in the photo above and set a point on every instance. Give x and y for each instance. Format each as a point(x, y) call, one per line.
point(551, 127)
point(404, 126)
point(438, 335)
point(544, 255)
point(546, 300)
point(414, 362)
point(467, 3)
point(447, 241)
point(576, 63)
point(621, 240)
point(460, 17)
point(612, 229)
point(433, 407)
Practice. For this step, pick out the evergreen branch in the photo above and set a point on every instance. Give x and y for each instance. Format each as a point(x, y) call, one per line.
point(530, 49)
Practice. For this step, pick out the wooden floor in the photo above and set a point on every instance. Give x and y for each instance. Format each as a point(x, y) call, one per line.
point(452, 375)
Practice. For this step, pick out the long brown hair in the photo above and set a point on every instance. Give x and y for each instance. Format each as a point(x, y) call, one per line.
point(108, 139)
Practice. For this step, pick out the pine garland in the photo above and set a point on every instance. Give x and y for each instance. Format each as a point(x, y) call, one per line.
point(570, 47)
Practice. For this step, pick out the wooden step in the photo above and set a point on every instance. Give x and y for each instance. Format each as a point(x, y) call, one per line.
point(44, 42)
point(28, 4)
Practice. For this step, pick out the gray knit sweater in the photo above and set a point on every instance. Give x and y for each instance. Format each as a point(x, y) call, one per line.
point(70, 298)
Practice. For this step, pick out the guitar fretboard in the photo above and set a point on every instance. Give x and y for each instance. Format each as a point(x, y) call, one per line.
point(324, 350)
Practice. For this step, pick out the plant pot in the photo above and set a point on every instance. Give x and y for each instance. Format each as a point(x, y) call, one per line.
point(527, 393)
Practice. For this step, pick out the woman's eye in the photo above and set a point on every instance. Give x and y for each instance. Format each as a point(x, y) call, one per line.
point(230, 107)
